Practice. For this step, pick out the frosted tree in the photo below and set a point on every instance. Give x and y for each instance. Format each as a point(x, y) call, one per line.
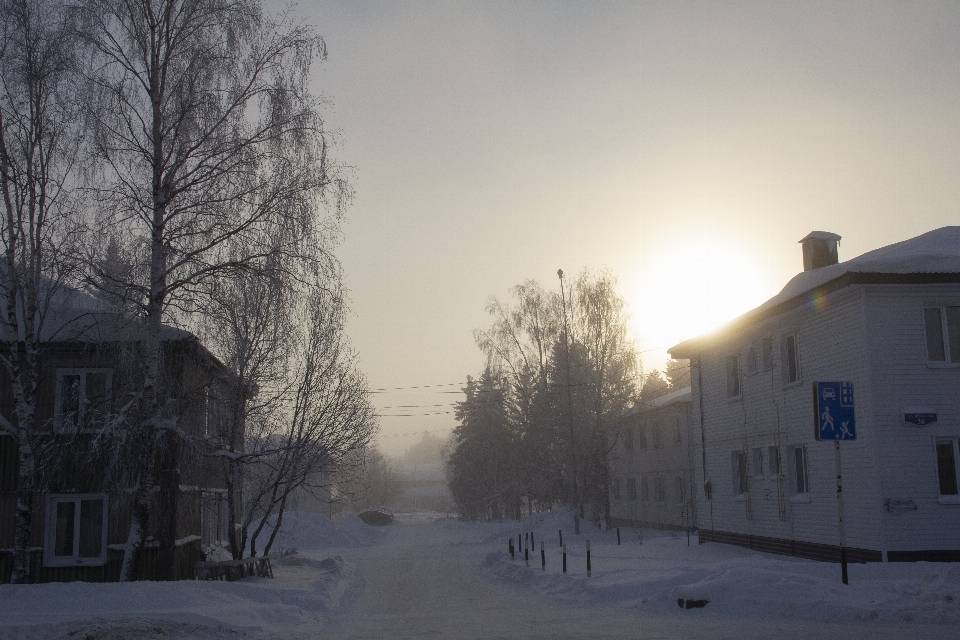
point(205, 132)
point(40, 138)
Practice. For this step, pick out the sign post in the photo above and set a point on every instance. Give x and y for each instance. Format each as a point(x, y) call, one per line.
point(833, 411)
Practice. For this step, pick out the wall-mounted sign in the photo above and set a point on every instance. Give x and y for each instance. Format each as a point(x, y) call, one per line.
point(919, 416)
point(833, 411)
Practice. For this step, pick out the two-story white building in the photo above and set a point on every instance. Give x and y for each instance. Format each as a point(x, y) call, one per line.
point(887, 322)
point(650, 465)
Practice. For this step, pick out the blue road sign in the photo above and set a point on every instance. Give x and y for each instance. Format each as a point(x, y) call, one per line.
point(833, 409)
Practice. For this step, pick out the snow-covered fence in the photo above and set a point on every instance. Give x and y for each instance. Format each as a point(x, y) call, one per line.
point(231, 570)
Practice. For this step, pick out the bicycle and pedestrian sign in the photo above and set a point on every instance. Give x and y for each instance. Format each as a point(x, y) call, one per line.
point(833, 411)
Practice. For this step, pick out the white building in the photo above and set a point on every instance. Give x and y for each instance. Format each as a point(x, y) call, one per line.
point(650, 465)
point(889, 323)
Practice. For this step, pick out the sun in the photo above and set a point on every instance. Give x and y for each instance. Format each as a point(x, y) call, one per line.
point(686, 289)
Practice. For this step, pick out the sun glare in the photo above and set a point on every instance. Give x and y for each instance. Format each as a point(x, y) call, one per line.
point(689, 289)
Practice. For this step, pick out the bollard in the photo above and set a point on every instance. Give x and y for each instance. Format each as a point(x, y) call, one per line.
point(510, 545)
point(588, 558)
point(526, 556)
point(564, 558)
point(843, 566)
point(560, 532)
point(543, 557)
point(618, 536)
point(519, 543)
point(532, 541)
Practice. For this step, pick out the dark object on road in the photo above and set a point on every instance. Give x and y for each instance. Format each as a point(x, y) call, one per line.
point(376, 517)
point(692, 604)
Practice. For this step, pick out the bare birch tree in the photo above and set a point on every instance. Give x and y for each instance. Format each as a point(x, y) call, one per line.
point(40, 135)
point(205, 131)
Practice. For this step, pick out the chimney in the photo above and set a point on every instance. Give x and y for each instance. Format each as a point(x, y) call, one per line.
point(819, 250)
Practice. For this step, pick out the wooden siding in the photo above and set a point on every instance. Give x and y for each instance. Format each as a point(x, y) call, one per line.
point(872, 335)
point(670, 461)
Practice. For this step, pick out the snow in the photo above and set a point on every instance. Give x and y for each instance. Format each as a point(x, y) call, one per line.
point(936, 251)
point(428, 576)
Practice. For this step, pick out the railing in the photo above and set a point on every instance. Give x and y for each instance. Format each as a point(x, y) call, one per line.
point(231, 570)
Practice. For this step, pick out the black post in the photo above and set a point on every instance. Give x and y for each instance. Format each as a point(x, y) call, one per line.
point(519, 542)
point(543, 557)
point(843, 565)
point(564, 558)
point(510, 546)
point(560, 531)
point(618, 536)
point(588, 558)
point(533, 542)
point(526, 556)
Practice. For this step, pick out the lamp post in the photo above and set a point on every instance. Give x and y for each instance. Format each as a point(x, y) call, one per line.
point(574, 486)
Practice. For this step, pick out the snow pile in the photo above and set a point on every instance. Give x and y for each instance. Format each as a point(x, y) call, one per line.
point(300, 592)
point(302, 530)
point(656, 569)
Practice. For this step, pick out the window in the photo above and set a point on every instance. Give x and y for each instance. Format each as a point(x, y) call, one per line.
point(680, 492)
point(615, 488)
point(947, 467)
point(217, 424)
point(213, 519)
point(657, 435)
point(751, 363)
point(644, 490)
point(678, 432)
point(941, 343)
point(758, 463)
point(733, 376)
point(628, 440)
point(801, 483)
point(738, 460)
point(642, 437)
point(766, 348)
point(631, 488)
point(659, 494)
point(773, 462)
point(82, 398)
point(789, 359)
point(76, 530)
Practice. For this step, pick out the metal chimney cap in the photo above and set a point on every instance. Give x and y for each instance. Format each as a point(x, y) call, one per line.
point(821, 235)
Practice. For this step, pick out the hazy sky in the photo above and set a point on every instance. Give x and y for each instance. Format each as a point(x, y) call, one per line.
point(687, 147)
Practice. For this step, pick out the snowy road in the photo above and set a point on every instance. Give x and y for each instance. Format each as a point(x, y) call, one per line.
point(418, 584)
point(425, 578)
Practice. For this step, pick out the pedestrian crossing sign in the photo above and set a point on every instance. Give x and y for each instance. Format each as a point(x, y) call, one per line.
point(833, 411)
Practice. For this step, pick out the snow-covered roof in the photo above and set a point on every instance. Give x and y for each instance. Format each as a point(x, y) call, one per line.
point(677, 395)
point(934, 252)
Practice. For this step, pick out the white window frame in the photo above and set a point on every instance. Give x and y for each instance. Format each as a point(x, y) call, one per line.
point(681, 490)
point(50, 531)
point(794, 376)
point(628, 440)
point(658, 435)
point(642, 437)
point(644, 489)
point(58, 395)
point(678, 432)
point(734, 375)
point(766, 351)
point(213, 503)
point(632, 489)
point(948, 498)
point(801, 473)
point(774, 462)
point(756, 455)
point(945, 343)
point(659, 490)
point(750, 364)
point(738, 464)
point(615, 488)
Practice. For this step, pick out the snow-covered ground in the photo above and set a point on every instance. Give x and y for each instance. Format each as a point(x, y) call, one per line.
point(426, 576)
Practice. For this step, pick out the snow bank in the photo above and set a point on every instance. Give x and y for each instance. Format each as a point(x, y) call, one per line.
point(656, 568)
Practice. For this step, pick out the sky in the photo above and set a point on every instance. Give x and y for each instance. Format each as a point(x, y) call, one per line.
point(685, 146)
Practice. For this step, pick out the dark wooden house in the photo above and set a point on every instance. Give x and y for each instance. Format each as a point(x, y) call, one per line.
point(91, 369)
